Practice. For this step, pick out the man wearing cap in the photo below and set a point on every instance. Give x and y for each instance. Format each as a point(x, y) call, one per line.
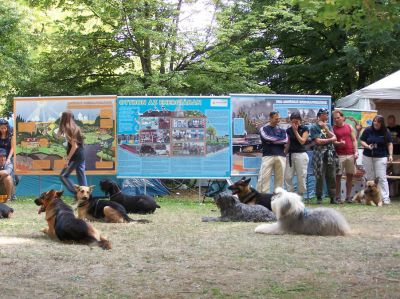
point(273, 140)
point(325, 161)
point(6, 175)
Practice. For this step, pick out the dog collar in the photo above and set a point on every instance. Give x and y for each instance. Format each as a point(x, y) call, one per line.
point(83, 204)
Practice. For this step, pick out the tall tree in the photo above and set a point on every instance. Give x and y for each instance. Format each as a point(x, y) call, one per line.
point(14, 52)
point(319, 47)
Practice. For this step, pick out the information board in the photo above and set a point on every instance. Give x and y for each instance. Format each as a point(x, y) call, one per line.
point(39, 150)
point(173, 137)
point(250, 112)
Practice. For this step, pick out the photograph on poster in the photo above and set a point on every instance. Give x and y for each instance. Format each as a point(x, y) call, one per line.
point(251, 112)
point(40, 150)
point(188, 135)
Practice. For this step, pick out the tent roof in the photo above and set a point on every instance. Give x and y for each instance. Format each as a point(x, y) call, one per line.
point(387, 88)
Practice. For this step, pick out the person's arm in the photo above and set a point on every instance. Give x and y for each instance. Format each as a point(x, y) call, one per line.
point(331, 136)
point(390, 150)
point(301, 139)
point(11, 153)
point(74, 147)
point(354, 140)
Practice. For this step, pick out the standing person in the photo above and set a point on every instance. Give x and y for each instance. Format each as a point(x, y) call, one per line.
point(393, 128)
point(378, 150)
point(325, 160)
point(347, 151)
point(273, 140)
point(297, 159)
point(75, 159)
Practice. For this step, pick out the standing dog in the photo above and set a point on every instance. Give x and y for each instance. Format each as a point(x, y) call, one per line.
point(5, 211)
point(233, 210)
point(294, 218)
point(94, 208)
point(141, 204)
point(249, 195)
point(371, 195)
point(63, 224)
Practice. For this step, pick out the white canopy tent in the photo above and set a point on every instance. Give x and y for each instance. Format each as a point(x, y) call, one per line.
point(384, 93)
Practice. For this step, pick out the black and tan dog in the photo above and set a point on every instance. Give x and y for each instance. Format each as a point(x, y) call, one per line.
point(249, 195)
point(93, 208)
point(371, 195)
point(63, 224)
point(5, 211)
point(141, 204)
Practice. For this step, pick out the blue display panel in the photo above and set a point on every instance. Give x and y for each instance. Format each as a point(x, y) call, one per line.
point(174, 137)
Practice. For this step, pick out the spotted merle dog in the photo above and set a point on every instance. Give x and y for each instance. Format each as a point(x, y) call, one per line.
point(233, 210)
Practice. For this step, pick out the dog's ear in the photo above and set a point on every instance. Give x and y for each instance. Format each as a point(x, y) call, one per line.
point(91, 188)
point(77, 187)
point(376, 181)
point(247, 181)
point(243, 178)
point(59, 193)
point(279, 190)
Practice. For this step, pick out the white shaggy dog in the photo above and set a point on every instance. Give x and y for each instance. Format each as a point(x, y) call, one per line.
point(294, 218)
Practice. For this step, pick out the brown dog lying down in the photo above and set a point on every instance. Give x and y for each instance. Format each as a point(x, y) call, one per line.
point(92, 208)
point(371, 195)
point(63, 224)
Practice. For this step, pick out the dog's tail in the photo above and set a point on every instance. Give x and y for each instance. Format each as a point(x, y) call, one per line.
point(104, 243)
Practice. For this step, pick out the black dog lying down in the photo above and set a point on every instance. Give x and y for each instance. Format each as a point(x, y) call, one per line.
point(5, 211)
point(93, 208)
point(233, 210)
point(141, 204)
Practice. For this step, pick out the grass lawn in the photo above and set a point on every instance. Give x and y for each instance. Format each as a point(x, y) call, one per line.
point(178, 256)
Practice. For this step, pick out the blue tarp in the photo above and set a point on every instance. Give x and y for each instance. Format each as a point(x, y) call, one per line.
point(33, 185)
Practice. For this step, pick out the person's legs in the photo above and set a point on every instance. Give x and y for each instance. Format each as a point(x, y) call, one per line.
point(330, 179)
point(64, 176)
point(279, 170)
point(319, 184)
point(8, 186)
point(368, 167)
point(339, 178)
point(264, 176)
point(289, 173)
point(300, 161)
point(80, 174)
point(380, 165)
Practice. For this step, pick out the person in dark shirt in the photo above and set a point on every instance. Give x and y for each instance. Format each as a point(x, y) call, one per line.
point(273, 140)
point(378, 151)
point(297, 157)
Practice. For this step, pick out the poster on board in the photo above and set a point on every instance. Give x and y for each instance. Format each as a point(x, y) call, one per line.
point(39, 151)
point(250, 112)
point(359, 120)
point(173, 137)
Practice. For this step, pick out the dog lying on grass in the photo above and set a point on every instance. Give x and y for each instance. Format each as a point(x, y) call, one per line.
point(294, 218)
point(371, 195)
point(63, 224)
point(5, 211)
point(249, 195)
point(141, 204)
point(233, 210)
point(92, 208)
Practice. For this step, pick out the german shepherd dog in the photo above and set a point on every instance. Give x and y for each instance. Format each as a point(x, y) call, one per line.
point(249, 195)
point(141, 204)
point(5, 211)
point(93, 208)
point(63, 224)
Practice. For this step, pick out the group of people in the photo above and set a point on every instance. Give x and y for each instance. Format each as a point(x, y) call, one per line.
point(74, 160)
point(335, 152)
